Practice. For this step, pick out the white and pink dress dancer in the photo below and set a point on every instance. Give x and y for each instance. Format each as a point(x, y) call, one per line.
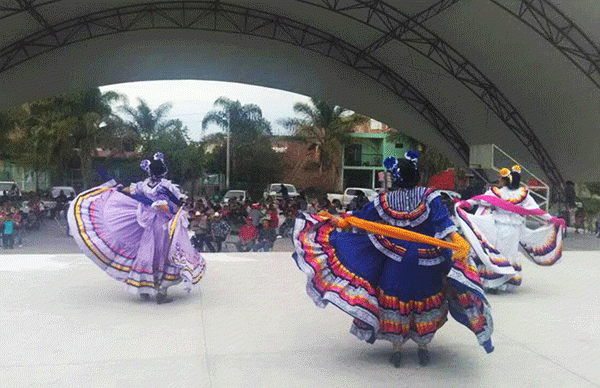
point(138, 235)
point(500, 237)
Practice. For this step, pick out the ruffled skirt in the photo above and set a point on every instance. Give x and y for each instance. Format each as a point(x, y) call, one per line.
point(134, 243)
point(394, 290)
point(498, 248)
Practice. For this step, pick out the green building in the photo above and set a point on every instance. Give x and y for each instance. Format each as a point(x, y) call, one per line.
point(363, 157)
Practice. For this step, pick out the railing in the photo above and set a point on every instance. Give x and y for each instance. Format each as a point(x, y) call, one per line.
point(365, 160)
point(489, 156)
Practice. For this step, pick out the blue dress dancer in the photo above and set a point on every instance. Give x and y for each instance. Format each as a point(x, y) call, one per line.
point(394, 289)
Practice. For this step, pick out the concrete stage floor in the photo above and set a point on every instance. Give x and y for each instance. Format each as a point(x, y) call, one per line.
point(64, 323)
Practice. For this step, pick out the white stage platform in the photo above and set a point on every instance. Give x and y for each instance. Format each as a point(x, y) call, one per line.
point(64, 323)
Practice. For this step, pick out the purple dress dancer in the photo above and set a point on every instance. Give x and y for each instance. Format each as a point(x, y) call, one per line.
point(138, 235)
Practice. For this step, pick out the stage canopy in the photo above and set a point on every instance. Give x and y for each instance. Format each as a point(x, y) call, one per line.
point(521, 74)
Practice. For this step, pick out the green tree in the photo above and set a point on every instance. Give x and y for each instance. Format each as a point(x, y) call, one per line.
point(37, 138)
point(246, 127)
point(51, 133)
point(146, 122)
point(89, 111)
point(185, 158)
point(326, 129)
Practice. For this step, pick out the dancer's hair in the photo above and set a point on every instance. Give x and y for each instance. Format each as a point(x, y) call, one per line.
point(515, 178)
point(511, 178)
point(155, 168)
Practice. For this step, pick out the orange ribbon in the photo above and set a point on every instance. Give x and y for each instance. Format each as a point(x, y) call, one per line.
point(392, 231)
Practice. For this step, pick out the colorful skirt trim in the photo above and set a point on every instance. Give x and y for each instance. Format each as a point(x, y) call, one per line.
point(497, 270)
point(107, 226)
point(379, 310)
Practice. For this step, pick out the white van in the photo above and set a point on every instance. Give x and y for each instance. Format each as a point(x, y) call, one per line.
point(6, 186)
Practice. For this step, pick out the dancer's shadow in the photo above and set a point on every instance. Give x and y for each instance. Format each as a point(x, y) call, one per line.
point(441, 358)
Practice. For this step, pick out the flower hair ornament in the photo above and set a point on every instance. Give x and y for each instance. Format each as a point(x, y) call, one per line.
point(412, 156)
point(505, 173)
point(516, 168)
point(391, 164)
point(145, 165)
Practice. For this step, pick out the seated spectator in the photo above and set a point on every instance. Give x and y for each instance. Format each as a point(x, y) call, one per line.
point(273, 216)
point(199, 225)
point(219, 230)
point(326, 205)
point(248, 235)
point(266, 236)
point(288, 224)
point(255, 213)
point(358, 201)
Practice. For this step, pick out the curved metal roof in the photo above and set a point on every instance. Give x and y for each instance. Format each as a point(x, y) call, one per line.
point(522, 74)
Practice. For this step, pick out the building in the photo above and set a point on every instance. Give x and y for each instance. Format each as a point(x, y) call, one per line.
point(359, 163)
point(26, 178)
point(363, 157)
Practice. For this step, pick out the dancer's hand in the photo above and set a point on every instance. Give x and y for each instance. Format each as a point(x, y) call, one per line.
point(460, 254)
point(163, 208)
point(339, 222)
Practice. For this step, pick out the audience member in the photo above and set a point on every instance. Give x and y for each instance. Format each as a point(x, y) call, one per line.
point(248, 235)
point(266, 236)
point(219, 230)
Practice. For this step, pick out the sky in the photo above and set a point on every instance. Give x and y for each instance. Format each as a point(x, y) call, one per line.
point(192, 99)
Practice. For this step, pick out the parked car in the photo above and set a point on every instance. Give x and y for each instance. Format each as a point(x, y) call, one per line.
point(274, 190)
point(6, 188)
point(237, 194)
point(67, 190)
point(350, 193)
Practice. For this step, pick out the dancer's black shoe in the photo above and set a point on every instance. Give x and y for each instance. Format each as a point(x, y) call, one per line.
point(396, 359)
point(423, 355)
point(163, 298)
point(145, 297)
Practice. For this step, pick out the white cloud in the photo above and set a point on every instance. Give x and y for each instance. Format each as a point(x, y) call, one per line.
point(193, 99)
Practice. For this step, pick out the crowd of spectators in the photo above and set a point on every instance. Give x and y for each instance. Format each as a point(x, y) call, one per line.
point(22, 212)
point(258, 225)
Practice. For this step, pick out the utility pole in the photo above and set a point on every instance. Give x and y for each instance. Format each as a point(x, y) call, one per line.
point(227, 162)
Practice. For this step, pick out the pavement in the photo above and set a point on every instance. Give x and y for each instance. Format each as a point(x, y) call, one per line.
point(64, 323)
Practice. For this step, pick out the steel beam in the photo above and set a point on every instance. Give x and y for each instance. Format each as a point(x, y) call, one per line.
point(15, 7)
point(221, 17)
point(553, 25)
point(395, 24)
point(421, 17)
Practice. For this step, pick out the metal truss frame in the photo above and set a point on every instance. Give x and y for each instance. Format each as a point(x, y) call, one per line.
point(560, 31)
point(19, 6)
point(395, 25)
point(217, 16)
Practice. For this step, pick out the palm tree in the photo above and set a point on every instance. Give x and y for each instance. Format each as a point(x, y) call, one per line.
point(243, 123)
point(90, 111)
point(147, 122)
point(325, 128)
